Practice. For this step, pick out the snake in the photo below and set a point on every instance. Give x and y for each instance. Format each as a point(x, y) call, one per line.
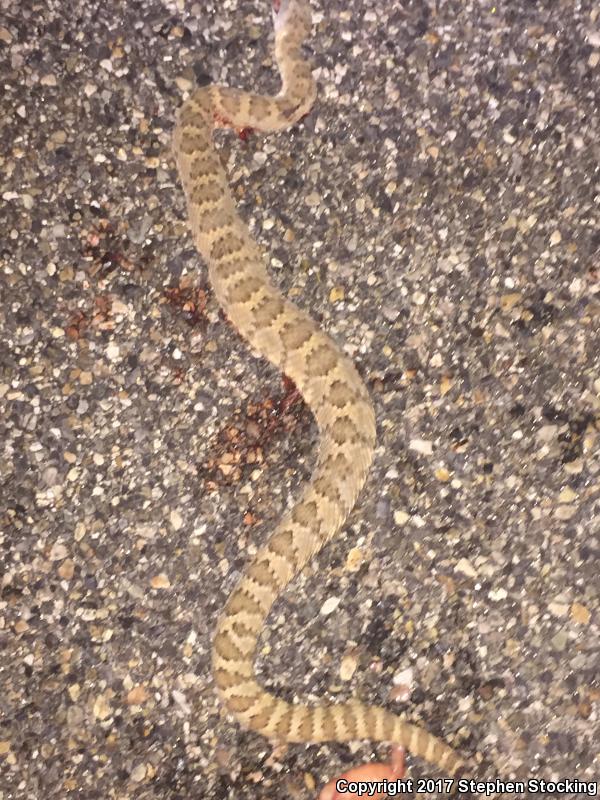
point(325, 377)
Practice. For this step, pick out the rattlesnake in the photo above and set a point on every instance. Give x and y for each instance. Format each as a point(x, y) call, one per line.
point(325, 377)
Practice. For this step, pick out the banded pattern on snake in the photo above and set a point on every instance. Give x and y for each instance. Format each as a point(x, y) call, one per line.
point(325, 377)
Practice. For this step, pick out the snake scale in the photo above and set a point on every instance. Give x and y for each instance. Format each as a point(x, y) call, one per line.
point(326, 378)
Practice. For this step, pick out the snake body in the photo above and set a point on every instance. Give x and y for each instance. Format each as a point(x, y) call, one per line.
point(325, 377)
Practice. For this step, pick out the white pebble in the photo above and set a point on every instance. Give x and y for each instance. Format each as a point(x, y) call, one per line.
point(330, 605)
point(421, 446)
point(466, 568)
point(113, 352)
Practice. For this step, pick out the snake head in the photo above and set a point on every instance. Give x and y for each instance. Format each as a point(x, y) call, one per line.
point(294, 12)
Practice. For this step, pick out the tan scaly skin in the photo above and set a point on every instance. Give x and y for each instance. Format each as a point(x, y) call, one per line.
point(329, 383)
